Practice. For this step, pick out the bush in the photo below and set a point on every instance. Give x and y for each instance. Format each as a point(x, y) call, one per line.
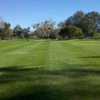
point(96, 36)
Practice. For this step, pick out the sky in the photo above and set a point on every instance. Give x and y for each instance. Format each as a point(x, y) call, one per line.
point(28, 12)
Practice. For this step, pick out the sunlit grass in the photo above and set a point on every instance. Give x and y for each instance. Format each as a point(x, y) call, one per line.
point(50, 70)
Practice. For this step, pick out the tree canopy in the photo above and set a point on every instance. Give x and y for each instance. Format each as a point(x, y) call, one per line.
point(79, 25)
point(89, 23)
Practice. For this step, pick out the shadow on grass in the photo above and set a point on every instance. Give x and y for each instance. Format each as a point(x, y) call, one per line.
point(45, 84)
point(91, 57)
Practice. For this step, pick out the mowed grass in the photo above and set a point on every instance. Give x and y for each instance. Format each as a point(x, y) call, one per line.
point(50, 70)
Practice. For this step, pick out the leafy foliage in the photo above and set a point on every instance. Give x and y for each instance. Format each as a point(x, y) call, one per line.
point(70, 32)
point(5, 31)
point(89, 23)
point(45, 29)
point(79, 25)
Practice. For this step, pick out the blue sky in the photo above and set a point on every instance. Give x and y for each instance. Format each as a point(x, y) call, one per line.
point(28, 12)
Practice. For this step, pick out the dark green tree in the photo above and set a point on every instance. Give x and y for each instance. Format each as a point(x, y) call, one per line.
point(26, 33)
point(18, 32)
point(89, 22)
point(5, 31)
point(70, 32)
point(88, 26)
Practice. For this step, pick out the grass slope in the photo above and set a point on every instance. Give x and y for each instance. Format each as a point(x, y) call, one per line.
point(50, 70)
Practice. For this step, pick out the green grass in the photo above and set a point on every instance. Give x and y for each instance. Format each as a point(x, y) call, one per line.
point(50, 70)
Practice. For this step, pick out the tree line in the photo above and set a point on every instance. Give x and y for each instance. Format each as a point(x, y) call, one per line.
point(78, 26)
point(16, 33)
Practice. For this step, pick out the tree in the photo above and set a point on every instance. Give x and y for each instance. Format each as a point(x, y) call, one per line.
point(62, 24)
point(5, 31)
point(18, 32)
point(45, 29)
point(88, 26)
point(26, 33)
point(78, 16)
point(75, 19)
point(70, 32)
point(89, 23)
point(95, 16)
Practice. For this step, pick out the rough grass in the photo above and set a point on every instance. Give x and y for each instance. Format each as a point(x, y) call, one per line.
point(50, 70)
